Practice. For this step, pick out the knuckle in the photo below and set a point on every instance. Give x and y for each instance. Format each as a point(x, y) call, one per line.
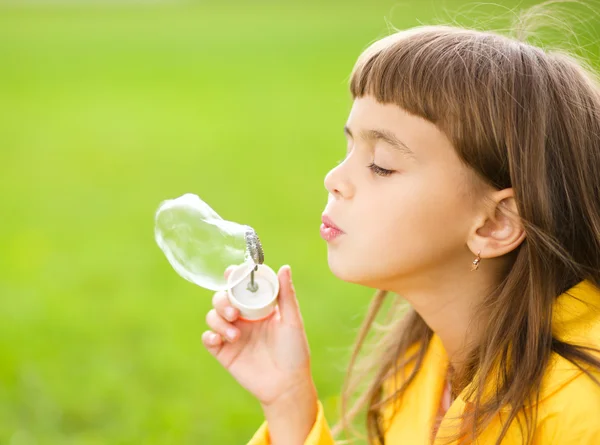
point(212, 317)
point(220, 299)
point(216, 298)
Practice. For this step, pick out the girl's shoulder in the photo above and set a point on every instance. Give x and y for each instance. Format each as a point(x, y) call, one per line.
point(576, 321)
point(569, 407)
point(569, 402)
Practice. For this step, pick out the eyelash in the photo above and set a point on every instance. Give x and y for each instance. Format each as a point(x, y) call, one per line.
point(378, 170)
point(374, 168)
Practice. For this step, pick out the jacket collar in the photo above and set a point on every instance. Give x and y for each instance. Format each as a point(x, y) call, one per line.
point(575, 319)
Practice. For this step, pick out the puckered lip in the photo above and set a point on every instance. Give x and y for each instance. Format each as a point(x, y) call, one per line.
point(325, 219)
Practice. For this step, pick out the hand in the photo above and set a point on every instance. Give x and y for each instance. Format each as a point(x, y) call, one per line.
point(270, 358)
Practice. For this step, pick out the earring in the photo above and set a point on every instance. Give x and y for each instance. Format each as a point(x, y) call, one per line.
point(476, 262)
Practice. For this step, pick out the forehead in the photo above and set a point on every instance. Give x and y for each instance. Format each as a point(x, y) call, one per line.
point(432, 148)
point(422, 136)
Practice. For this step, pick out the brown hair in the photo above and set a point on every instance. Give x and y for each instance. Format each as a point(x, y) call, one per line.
point(518, 116)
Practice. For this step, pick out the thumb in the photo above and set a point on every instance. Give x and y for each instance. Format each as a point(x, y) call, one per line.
point(228, 271)
point(287, 301)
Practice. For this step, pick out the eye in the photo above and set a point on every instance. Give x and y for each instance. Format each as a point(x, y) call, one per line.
point(378, 170)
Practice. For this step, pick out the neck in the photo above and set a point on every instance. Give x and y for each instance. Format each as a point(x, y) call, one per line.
point(447, 301)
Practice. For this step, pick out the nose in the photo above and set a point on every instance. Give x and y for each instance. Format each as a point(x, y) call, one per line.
point(337, 182)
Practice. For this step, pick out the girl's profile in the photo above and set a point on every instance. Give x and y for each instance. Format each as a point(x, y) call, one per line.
point(470, 189)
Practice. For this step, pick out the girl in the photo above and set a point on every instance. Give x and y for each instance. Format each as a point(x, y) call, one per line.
point(470, 188)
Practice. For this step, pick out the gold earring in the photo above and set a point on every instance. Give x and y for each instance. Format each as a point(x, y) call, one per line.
point(476, 262)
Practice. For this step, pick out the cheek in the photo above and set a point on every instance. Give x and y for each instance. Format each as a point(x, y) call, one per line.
point(405, 232)
point(402, 232)
point(426, 219)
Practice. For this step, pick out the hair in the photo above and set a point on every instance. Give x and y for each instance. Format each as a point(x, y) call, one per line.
point(518, 116)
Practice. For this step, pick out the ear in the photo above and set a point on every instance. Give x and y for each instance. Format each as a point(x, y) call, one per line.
point(498, 229)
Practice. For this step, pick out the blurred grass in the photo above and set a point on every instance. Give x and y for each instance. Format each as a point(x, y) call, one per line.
point(104, 112)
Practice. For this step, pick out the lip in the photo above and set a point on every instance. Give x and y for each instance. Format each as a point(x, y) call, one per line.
point(329, 223)
point(329, 231)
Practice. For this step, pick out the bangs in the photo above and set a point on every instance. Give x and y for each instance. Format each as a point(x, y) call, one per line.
point(452, 77)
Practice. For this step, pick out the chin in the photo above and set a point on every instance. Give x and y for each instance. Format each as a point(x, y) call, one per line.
point(352, 272)
point(369, 268)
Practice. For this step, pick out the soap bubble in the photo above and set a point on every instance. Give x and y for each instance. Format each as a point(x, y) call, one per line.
point(200, 244)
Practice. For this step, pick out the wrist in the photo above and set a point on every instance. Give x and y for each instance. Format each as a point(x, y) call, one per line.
point(292, 416)
point(298, 395)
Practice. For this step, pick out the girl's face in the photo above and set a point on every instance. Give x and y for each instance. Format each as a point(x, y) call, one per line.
point(403, 199)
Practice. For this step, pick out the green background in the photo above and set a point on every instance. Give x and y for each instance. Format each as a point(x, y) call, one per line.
point(106, 110)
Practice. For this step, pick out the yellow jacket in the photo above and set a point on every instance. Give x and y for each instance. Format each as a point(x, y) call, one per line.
point(568, 407)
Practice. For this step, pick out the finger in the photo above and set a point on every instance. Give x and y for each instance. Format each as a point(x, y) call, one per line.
point(287, 301)
point(219, 325)
point(213, 342)
point(223, 306)
point(228, 271)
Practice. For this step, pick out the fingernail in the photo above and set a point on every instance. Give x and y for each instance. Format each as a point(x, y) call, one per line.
point(231, 333)
point(289, 272)
point(214, 339)
point(230, 313)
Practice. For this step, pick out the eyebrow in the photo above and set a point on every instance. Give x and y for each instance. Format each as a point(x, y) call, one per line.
point(383, 135)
